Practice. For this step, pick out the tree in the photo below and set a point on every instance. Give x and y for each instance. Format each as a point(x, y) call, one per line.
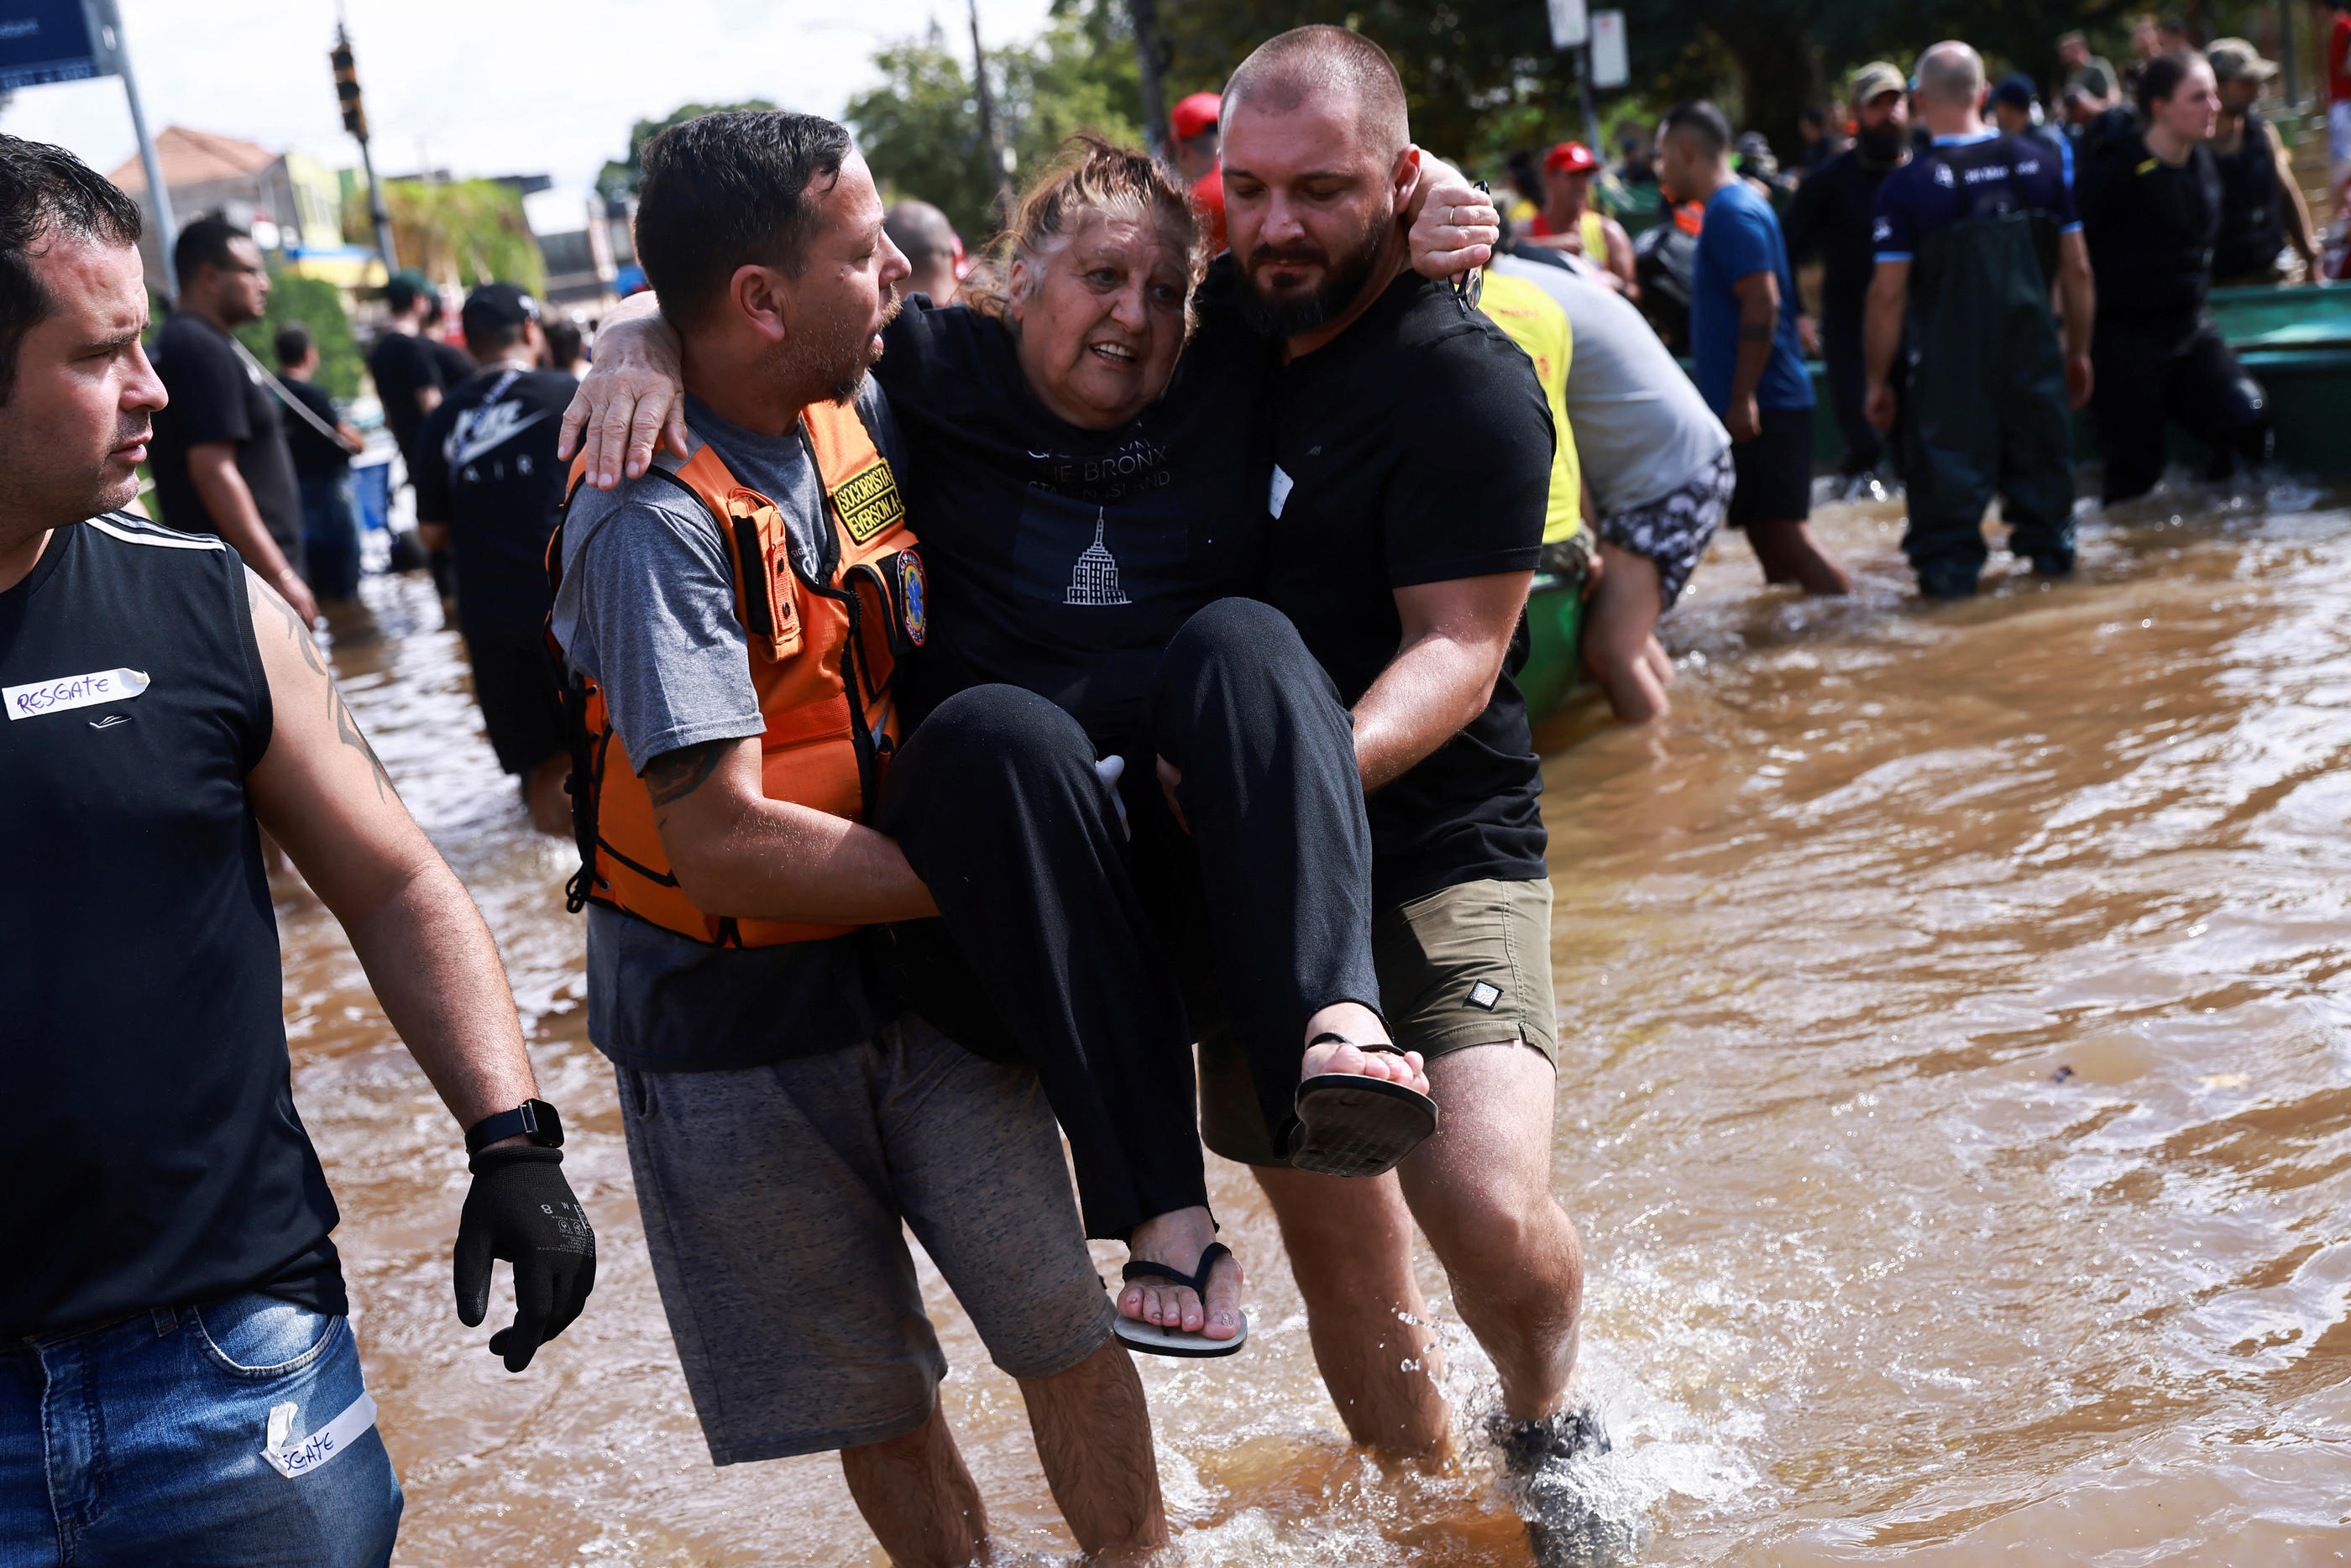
point(620, 177)
point(919, 129)
point(318, 305)
point(466, 231)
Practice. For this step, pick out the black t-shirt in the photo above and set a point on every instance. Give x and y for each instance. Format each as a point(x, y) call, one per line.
point(2150, 227)
point(315, 456)
point(485, 466)
point(1829, 217)
point(402, 365)
point(1062, 559)
point(214, 398)
point(149, 1145)
point(1415, 449)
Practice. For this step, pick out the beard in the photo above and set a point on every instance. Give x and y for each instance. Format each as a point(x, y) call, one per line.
point(1343, 280)
point(835, 351)
point(1878, 146)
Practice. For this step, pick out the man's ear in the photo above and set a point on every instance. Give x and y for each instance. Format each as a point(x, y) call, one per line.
point(761, 296)
point(1405, 178)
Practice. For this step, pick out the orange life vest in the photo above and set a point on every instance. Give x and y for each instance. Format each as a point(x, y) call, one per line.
point(824, 654)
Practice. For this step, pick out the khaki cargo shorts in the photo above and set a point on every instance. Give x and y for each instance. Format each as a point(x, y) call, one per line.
point(1466, 965)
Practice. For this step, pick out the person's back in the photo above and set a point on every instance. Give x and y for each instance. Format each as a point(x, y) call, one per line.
point(1971, 235)
point(489, 491)
point(1539, 325)
point(488, 467)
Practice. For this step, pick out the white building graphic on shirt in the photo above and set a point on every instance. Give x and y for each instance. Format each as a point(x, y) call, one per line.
point(1094, 579)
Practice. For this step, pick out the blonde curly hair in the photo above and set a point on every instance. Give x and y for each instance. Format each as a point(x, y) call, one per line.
point(1091, 177)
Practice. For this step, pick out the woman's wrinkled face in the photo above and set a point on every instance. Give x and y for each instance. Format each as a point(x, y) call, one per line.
point(1100, 319)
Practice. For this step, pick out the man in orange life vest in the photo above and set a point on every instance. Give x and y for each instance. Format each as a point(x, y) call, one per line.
point(735, 619)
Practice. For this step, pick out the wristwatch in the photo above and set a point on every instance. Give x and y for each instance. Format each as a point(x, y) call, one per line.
point(534, 1119)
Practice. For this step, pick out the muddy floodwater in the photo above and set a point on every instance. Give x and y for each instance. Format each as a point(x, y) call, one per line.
point(1955, 1097)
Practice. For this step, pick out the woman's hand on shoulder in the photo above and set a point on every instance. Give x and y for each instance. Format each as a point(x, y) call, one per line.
point(1454, 226)
point(631, 400)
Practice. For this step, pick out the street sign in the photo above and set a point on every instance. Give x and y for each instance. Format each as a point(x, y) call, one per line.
point(1569, 26)
point(1612, 66)
point(48, 41)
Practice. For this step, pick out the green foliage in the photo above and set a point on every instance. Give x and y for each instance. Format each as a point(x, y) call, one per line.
point(919, 129)
point(467, 232)
point(318, 305)
point(620, 177)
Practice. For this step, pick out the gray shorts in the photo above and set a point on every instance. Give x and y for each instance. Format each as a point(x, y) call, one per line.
point(772, 1198)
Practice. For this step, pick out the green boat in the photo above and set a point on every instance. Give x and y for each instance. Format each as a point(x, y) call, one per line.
point(2295, 340)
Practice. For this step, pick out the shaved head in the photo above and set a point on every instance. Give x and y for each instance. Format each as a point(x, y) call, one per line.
point(1315, 64)
point(1951, 73)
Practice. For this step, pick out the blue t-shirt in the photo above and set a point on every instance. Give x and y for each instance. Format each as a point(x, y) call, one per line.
point(1738, 239)
point(1959, 175)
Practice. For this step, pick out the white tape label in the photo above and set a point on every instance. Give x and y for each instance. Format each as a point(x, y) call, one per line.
point(1278, 495)
point(72, 691)
point(299, 1459)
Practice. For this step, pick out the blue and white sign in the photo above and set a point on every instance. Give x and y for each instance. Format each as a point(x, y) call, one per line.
point(50, 41)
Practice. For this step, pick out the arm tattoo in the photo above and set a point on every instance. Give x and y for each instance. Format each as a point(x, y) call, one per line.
point(674, 776)
point(347, 729)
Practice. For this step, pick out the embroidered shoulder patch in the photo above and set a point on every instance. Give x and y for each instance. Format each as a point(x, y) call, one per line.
point(868, 500)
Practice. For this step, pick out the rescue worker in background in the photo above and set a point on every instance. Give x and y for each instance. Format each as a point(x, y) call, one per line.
point(1192, 148)
point(2014, 105)
point(1971, 235)
point(1568, 222)
point(2262, 206)
point(2151, 209)
point(932, 248)
point(1831, 219)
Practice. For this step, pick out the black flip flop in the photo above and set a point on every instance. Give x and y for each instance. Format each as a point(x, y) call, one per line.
point(1349, 1125)
point(1160, 1340)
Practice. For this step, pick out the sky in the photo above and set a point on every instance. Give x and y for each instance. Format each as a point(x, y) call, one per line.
point(482, 87)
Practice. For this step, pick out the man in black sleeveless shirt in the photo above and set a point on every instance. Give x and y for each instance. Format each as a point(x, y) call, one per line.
point(178, 1381)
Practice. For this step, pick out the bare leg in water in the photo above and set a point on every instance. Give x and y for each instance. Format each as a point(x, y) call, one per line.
point(1480, 1188)
point(1619, 634)
point(1790, 553)
point(1093, 1439)
point(1179, 1238)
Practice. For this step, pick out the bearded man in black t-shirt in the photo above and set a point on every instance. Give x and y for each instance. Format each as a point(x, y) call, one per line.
point(1413, 446)
point(488, 488)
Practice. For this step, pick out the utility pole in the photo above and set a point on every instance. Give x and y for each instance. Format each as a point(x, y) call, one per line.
point(107, 31)
point(347, 88)
point(991, 135)
point(1144, 15)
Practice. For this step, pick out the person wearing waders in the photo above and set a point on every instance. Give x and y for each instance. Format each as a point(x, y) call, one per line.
point(2151, 205)
point(1971, 234)
point(1969, 238)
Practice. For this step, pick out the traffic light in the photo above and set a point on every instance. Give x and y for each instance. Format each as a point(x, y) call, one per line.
point(347, 85)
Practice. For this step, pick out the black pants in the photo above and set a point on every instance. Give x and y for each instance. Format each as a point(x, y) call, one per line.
point(2148, 373)
point(1846, 370)
point(1063, 944)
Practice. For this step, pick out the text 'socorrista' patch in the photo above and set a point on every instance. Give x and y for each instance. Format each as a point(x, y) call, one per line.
point(868, 500)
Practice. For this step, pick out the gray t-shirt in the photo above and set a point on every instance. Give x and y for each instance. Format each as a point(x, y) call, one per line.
point(1642, 431)
point(647, 612)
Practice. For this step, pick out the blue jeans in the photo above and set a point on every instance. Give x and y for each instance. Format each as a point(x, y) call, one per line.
point(143, 1443)
point(331, 534)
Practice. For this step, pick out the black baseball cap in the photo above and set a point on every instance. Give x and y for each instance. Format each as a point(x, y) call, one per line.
point(2016, 90)
point(493, 307)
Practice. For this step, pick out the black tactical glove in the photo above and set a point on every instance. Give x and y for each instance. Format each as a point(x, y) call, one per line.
point(521, 1209)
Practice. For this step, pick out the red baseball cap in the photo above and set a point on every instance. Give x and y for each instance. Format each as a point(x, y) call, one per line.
point(1194, 116)
point(1569, 157)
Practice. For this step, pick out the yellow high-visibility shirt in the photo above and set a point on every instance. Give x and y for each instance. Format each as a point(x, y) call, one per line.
point(1536, 325)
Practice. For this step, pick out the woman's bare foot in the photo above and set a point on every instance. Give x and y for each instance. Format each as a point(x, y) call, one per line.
point(1357, 1023)
point(1178, 1238)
